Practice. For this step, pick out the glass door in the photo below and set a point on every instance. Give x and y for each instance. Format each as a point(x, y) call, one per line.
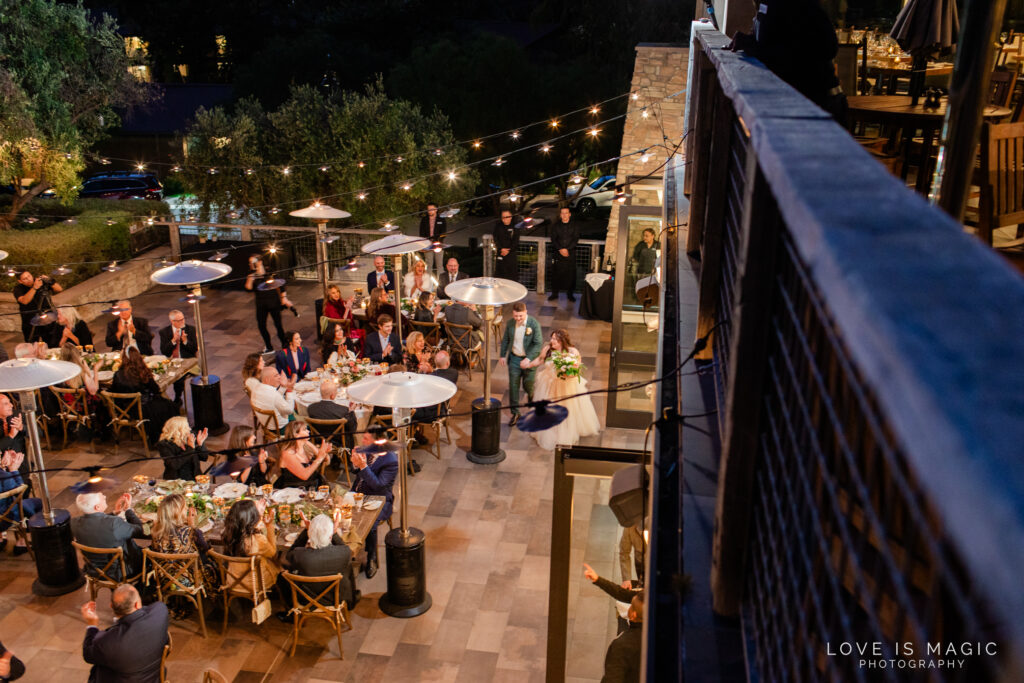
point(634, 326)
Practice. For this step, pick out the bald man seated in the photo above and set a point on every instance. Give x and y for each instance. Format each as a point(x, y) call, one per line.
point(131, 649)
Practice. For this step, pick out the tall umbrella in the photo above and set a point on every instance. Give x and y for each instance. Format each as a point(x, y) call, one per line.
point(925, 29)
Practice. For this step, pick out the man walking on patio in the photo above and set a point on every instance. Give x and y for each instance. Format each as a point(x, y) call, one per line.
point(520, 348)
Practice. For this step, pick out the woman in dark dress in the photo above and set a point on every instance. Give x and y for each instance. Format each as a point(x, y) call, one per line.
point(424, 311)
point(244, 437)
point(300, 459)
point(181, 450)
point(379, 305)
point(134, 377)
point(69, 328)
point(174, 531)
point(336, 346)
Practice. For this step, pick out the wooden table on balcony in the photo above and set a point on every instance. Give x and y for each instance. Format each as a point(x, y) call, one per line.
point(897, 112)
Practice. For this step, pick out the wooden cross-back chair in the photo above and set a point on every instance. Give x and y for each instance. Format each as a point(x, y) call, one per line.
point(234, 587)
point(334, 432)
point(164, 657)
point(386, 422)
point(1000, 178)
point(464, 344)
point(98, 575)
point(441, 422)
point(72, 409)
point(318, 597)
point(267, 423)
point(176, 574)
point(431, 332)
point(13, 520)
point(1001, 85)
point(126, 411)
point(42, 418)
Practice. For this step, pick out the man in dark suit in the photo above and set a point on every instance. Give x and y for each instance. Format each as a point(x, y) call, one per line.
point(125, 329)
point(131, 649)
point(520, 349)
point(622, 661)
point(464, 314)
point(319, 551)
point(327, 409)
point(564, 236)
point(384, 344)
point(450, 275)
point(178, 340)
point(433, 228)
point(376, 477)
point(506, 241)
point(380, 277)
point(98, 529)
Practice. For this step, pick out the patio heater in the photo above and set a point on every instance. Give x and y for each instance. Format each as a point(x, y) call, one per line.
point(407, 594)
point(321, 213)
point(397, 245)
point(487, 292)
point(206, 404)
point(56, 563)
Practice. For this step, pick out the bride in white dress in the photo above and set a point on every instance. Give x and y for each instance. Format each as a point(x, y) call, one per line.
point(582, 419)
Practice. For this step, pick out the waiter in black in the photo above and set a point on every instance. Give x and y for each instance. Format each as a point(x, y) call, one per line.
point(178, 340)
point(31, 297)
point(506, 241)
point(564, 236)
point(433, 228)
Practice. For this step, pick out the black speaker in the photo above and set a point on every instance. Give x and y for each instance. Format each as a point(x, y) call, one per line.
point(626, 498)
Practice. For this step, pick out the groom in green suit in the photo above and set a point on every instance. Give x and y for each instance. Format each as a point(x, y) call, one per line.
point(520, 348)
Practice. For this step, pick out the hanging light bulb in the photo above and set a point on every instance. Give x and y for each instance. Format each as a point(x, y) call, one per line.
point(190, 217)
point(31, 219)
point(62, 270)
point(389, 227)
point(112, 267)
point(399, 159)
point(274, 210)
point(362, 196)
point(452, 176)
point(71, 221)
point(593, 132)
point(498, 162)
point(645, 157)
point(516, 134)
point(212, 171)
point(545, 148)
point(477, 144)
point(140, 166)
point(575, 179)
point(352, 265)
point(361, 164)
point(219, 256)
point(271, 248)
point(330, 239)
point(407, 186)
point(286, 170)
point(634, 96)
point(643, 113)
point(594, 110)
point(105, 161)
point(150, 221)
point(554, 123)
point(514, 197)
point(438, 152)
point(11, 272)
point(110, 221)
point(325, 169)
point(232, 214)
point(621, 195)
point(175, 169)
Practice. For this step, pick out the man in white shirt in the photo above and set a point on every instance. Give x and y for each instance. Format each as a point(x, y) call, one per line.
point(520, 349)
point(273, 394)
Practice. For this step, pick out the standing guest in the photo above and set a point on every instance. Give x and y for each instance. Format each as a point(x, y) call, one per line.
point(327, 408)
point(31, 297)
point(126, 330)
point(336, 346)
point(376, 477)
point(520, 350)
point(69, 328)
point(564, 236)
point(622, 594)
point(645, 254)
point(622, 661)
point(97, 529)
point(11, 668)
point(418, 280)
point(300, 459)
point(465, 314)
point(433, 228)
point(506, 241)
point(293, 359)
point(175, 532)
point(249, 532)
point(252, 371)
point(417, 355)
point(425, 311)
point(450, 275)
point(134, 377)
point(275, 393)
point(337, 307)
point(632, 542)
point(181, 450)
point(319, 551)
point(132, 648)
point(10, 478)
point(178, 340)
point(384, 344)
point(379, 305)
point(242, 443)
point(268, 302)
point(380, 277)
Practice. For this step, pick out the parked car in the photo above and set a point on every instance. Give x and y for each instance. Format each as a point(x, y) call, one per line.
point(122, 185)
point(584, 199)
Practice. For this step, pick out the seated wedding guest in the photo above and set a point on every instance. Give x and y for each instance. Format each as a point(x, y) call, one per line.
point(293, 360)
point(178, 340)
point(443, 363)
point(181, 450)
point(252, 370)
point(379, 277)
point(69, 328)
point(132, 648)
point(10, 478)
point(376, 477)
point(174, 531)
point(244, 437)
point(451, 274)
point(464, 314)
point(417, 355)
point(13, 436)
point(384, 344)
point(273, 394)
point(130, 329)
point(335, 347)
point(300, 459)
point(418, 280)
point(337, 307)
point(97, 529)
point(249, 532)
point(31, 350)
point(11, 668)
point(319, 551)
point(425, 311)
point(328, 409)
point(134, 377)
point(379, 305)
point(89, 377)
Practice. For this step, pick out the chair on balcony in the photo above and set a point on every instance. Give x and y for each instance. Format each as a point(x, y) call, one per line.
point(1000, 178)
point(126, 411)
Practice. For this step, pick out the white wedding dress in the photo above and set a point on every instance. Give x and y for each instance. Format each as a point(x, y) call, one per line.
point(582, 419)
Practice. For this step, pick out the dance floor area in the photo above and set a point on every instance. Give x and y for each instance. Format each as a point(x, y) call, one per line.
point(488, 547)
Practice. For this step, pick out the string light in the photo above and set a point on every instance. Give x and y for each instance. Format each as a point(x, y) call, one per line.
point(31, 219)
point(352, 265)
point(452, 176)
point(271, 248)
point(407, 186)
point(104, 161)
point(515, 134)
point(325, 169)
point(575, 179)
point(274, 211)
point(554, 123)
point(399, 159)
point(594, 110)
point(498, 162)
point(112, 268)
point(645, 157)
point(11, 272)
point(361, 164)
point(514, 197)
point(545, 148)
point(389, 227)
point(175, 169)
point(232, 214)
point(643, 113)
point(362, 196)
point(219, 256)
point(63, 270)
point(68, 155)
point(634, 96)
point(438, 152)
point(110, 221)
point(249, 171)
point(593, 132)
point(286, 170)
point(212, 171)
point(477, 144)
point(140, 167)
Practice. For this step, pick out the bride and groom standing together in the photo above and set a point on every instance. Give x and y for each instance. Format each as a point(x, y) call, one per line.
point(531, 363)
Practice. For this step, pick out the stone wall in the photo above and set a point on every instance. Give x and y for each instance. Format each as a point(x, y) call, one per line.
point(131, 280)
point(659, 71)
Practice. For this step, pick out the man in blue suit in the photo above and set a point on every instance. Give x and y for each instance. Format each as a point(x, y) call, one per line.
point(520, 348)
point(379, 277)
point(384, 344)
point(376, 477)
point(293, 360)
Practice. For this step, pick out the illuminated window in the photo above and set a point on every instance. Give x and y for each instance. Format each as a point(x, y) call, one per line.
point(135, 46)
point(140, 72)
point(182, 69)
point(222, 45)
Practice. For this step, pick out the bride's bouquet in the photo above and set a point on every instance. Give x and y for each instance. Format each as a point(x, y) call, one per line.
point(567, 365)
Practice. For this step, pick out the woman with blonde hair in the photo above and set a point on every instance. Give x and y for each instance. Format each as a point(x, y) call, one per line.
point(174, 531)
point(89, 379)
point(300, 459)
point(418, 280)
point(181, 450)
point(417, 355)
point(69, 327)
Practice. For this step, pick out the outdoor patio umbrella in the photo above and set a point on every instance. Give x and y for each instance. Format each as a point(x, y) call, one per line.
point(925, 29)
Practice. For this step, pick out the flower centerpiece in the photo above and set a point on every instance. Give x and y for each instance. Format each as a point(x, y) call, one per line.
point(567, 365)
point(408, 305)
point(109, 361)
point(350, 371)
point(159, 367)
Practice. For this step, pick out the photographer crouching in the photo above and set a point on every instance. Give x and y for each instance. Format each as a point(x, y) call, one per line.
point(33, 296)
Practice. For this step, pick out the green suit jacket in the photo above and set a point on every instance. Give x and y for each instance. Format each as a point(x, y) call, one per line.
point(532, 342)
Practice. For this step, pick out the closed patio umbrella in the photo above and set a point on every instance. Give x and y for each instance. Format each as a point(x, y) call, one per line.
point(925, 29)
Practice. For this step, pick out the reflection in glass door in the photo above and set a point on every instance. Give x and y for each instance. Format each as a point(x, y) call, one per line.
point(634, 327)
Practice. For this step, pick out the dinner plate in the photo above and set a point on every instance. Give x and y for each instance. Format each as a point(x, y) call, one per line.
point(232, 489)
point(155, 359)
point(290, 537)
point(104, 375)
point(373, 504)
point(312, 375)
point(206, 527)
point(289, 495)
point(148, 516)
point(304, 386)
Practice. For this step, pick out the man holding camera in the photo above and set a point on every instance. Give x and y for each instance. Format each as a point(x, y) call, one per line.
point(268, 302)
point(30, 293)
